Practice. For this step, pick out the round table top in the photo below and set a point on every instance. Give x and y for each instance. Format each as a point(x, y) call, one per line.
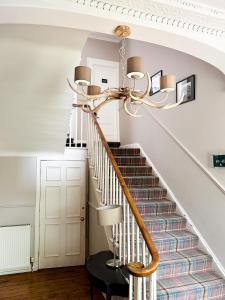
point(106, 278)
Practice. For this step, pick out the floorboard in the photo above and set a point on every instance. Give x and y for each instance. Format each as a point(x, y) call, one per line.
point(49, 284)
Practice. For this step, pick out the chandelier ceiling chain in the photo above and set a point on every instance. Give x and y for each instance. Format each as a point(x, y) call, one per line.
point(123, 63)
point(130, 97)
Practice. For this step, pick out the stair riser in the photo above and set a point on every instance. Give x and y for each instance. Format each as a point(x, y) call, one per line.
point(149, 194)
point(125, 152)
point(172, 269)
point(155, 209)
point(176, 245)
point(134, 171)
point(142, 182)
point(130, 161)
point(163, 225)
point(196, 292)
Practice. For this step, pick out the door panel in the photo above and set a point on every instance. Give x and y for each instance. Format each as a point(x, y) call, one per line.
point(62, 211)
point(106, 74)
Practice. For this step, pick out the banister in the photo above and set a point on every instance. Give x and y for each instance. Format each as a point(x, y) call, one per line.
point(135, 268)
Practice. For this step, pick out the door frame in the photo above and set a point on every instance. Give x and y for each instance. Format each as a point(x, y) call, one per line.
point(113, 64)
point(69, 155)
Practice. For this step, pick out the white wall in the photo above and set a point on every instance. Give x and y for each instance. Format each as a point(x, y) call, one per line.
point(35, 98)
point(18, 191)
point(100, 49)
point(199, 126)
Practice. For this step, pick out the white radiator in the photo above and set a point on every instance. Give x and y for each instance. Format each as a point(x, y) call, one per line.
point(15, 249)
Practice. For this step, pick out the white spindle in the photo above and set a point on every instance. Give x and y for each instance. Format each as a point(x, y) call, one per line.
point(152, 287)
point(128, 233)
point(131, 244)
point(137, 288)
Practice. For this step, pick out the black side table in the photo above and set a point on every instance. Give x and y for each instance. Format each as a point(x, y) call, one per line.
point(112, 282)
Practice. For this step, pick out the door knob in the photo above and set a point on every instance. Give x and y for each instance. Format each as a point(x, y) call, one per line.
point(82, 219)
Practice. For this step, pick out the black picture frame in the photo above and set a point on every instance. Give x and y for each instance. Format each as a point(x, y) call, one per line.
point(190, 89)
point(155, 79)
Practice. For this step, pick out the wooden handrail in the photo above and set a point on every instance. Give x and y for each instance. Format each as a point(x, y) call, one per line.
point(135, 268)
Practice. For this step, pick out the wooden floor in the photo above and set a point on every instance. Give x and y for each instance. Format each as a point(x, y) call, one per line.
point(62, 283)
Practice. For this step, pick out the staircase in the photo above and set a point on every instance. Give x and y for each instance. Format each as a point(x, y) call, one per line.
point(185, 272)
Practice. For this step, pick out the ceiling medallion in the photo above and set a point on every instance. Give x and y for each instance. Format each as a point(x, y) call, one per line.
point(131, 97)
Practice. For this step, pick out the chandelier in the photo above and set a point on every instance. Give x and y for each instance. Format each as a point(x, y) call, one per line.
point(93, 99)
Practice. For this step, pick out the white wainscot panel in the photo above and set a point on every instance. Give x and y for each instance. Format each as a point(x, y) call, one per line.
point(73, 199)
point(73, 238)
point(52, 202)
point(73, 173)
point(52, 240)
point(53, 173)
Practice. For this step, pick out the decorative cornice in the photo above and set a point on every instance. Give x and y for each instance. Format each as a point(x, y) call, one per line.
point(189, 16)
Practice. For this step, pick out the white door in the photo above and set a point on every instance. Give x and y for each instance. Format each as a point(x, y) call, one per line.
point(106, 74)
point(62, 214)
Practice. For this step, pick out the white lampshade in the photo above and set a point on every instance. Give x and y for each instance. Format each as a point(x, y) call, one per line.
point(109, 215)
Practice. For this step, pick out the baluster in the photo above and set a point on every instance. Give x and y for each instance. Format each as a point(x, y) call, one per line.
point(138, 243)
point(102, 167)
point(128, 233)
point(137, 288)
point(120, 225)
point(124, 230)
point(133, 237)
point(131, 287)
point(107, 180)
point(76, 128)
point(152, 287)
point(81, 128)
point(111, 184)
point(144, 262)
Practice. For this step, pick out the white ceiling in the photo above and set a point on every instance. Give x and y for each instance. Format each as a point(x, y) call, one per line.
point(35, 99)
point(214, 3)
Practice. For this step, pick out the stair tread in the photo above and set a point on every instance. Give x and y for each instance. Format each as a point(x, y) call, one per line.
point(176, 240)
point(153, 201)
point(140, 176)
point(147, 188)
point(201, 285)
point(182, 254)
point(163, 217)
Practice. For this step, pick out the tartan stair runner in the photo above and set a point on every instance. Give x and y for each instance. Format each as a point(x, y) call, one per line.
point(185, 272)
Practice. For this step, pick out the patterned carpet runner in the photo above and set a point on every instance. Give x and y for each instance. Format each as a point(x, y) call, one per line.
point(185, 272)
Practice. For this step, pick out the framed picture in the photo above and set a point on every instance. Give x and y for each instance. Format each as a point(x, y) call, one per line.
point(155, 81)
point(186, 88)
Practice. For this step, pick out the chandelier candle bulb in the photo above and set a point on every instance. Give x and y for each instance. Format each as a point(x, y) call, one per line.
point(82, 75)
point(167, 83)
point(93, 90)
point(135, 67)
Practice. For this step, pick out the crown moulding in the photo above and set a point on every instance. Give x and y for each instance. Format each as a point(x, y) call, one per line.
point(181, 14)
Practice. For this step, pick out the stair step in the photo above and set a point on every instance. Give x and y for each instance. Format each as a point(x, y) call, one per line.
point(162, 223)
point(183, 262)
point(125, 151)
point(130, 160)
point(148, 193)
point(141, 181)
point(174, 241)
point(155, 206)
point(114, 144)
point(199, 286)
point(135, 171)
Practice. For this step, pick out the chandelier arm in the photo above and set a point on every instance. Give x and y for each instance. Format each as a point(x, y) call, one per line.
point(88, 97)
point(168, 106)
point(99, 106)
point(159, 102)
point(145, 93)
point(127, 110)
